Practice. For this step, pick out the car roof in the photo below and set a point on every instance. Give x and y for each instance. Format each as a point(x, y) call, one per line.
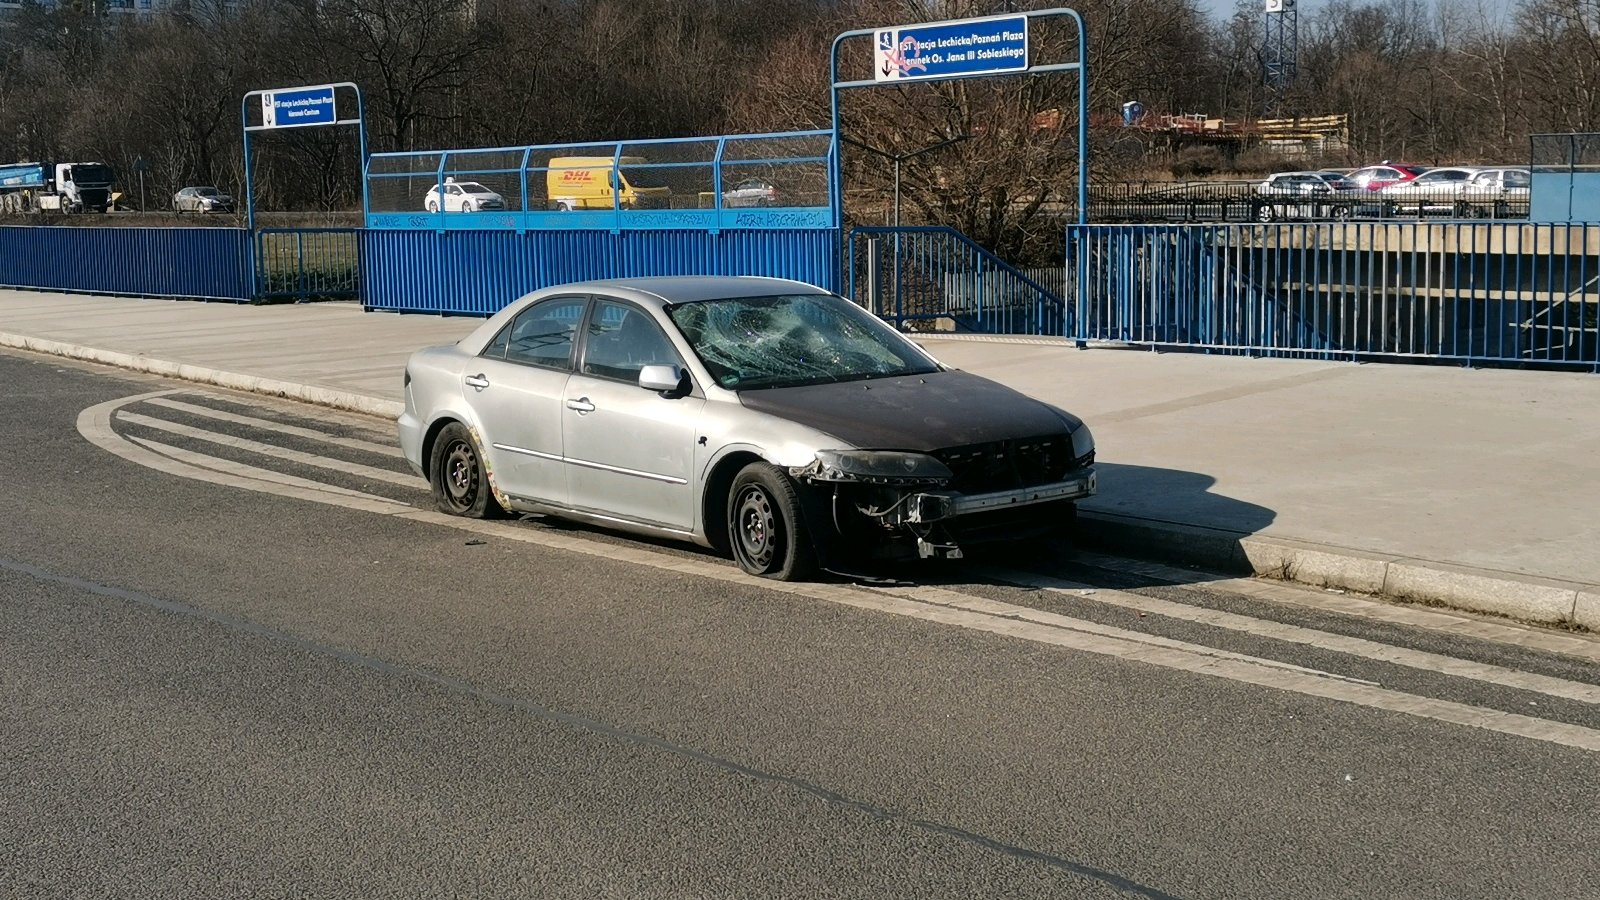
point(668, 289)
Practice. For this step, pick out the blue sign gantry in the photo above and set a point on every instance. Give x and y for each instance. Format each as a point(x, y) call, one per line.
point(987, 46)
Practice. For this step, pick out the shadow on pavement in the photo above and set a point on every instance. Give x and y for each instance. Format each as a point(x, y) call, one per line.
point(1162, 515)
point(1168, 516)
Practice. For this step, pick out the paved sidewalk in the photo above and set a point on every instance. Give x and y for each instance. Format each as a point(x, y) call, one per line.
point(1474, 488)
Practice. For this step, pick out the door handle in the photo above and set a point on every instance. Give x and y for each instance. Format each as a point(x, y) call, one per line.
point(477, 381)
point(581, 404)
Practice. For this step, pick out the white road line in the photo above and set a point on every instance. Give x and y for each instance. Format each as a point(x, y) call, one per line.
point(945, 597)
point(924, 604)
point(94, 424)
point(269, 425)
point(240, 469)
point(1502, 632)
point(309, 459)
point(1351, 646)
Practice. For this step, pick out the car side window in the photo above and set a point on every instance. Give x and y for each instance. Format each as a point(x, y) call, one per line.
point(1517, 178)
point(542, 334)
point(497, 347)
point(623, 339)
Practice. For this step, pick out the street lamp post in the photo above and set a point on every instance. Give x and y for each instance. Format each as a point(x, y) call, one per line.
point(898, 158)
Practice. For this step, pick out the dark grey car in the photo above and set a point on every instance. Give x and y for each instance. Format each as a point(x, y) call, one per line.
point(766, 418)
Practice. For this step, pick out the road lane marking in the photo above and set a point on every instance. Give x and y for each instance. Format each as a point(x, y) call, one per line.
point(94, 424)
point(236, 468)
point(1409, 615)
point(946, 597)
point(309, 459)
point(269, 425)
point(921, 603)
point(1324, 640)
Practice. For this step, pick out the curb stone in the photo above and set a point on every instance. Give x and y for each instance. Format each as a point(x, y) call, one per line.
point(254, 384)
point(1524, 597)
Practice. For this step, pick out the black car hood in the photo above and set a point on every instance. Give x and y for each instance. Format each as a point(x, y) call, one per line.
point(912, 412)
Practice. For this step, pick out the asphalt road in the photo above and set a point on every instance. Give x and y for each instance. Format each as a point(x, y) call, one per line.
point(238, 659)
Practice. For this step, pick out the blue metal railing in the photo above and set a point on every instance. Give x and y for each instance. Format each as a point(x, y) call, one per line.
point(201, 263)
point(943, 279)
point(1476, 293)
point(308, 263)
point(755, 181)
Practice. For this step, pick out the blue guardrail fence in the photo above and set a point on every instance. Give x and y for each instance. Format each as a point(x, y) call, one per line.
point(202, 263)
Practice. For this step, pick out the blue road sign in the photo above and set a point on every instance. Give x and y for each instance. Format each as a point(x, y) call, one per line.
point(987, 46)
point(302, 106)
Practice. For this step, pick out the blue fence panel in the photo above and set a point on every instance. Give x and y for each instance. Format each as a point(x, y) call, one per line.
point(935, 277)
point(1490, 292)
point(479, 272)
point(202, 263)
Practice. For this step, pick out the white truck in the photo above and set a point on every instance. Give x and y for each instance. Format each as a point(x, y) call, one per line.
point(64, 187)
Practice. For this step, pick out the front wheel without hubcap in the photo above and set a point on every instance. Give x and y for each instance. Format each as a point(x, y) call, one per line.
point(764, 526)
point(456, 474)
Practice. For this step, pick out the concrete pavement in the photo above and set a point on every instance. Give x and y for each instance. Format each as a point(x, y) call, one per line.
point(1477, 489)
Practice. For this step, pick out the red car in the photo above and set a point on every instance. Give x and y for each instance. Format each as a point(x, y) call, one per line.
point(1376, 178)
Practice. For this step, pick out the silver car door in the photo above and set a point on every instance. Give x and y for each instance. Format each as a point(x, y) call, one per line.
point(516, 388)
point(630, 451)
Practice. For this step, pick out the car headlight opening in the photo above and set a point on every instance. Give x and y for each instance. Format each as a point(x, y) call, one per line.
point(876, 467)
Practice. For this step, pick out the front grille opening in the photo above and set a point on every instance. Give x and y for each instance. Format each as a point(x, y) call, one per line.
point(1011, 465)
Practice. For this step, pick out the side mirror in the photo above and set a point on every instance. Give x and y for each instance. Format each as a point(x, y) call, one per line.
point(661, 379)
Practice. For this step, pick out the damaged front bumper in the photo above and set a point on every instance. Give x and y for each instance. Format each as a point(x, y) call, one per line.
point(928, 507)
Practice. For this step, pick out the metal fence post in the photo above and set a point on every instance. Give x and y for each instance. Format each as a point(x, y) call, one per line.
point(874, 282)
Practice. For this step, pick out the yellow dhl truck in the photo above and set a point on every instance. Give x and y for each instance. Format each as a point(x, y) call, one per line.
point(584, 182)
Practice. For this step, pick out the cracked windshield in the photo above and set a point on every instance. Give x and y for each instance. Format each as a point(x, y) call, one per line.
point(750, 343)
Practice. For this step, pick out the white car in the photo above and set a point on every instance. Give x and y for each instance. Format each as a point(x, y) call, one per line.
point(464, 196)
point(1497, 193)
point(751, 192)
point(1508, 182)
point(1315, 195)
point(1433, 190)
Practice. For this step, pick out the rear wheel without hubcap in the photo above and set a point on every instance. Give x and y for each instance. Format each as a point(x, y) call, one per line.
point(764, 526)
point(460, 485)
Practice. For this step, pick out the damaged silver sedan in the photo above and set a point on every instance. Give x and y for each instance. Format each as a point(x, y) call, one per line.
point(765, 418)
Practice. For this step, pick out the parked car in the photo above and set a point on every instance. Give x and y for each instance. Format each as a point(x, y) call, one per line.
point(463, 196)
point(751, 192)
point(201, 200)
point(1315, 195)
point(1376, 178)
point(1435, 190)
point(769, 419)
point(1497, 192)
point(1338, 181)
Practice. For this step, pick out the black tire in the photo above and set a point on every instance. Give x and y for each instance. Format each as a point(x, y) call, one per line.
point(1341, 213)
point(433, 207)
point(562, 206)
point(765, 530)
point(1264, 213)
point(459, 481)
